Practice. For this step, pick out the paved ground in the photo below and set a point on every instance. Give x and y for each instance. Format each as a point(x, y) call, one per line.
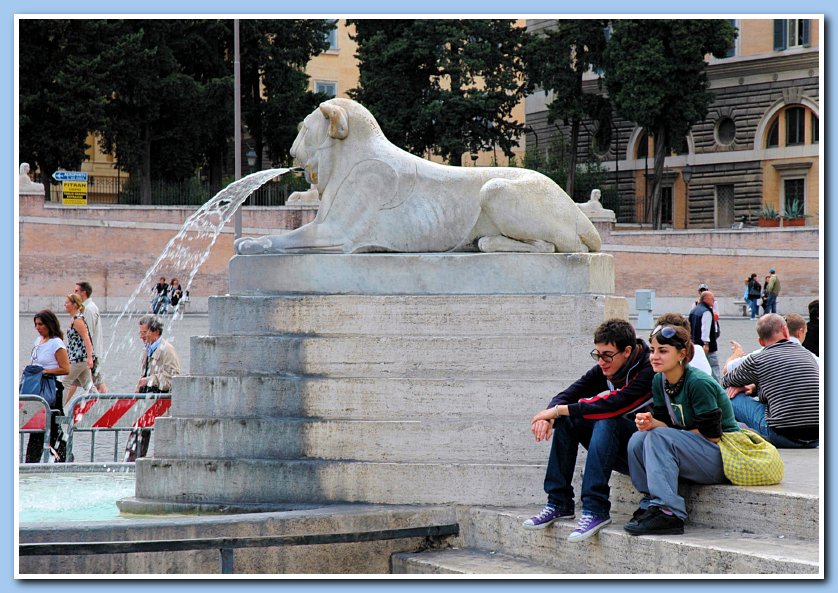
point(121, 368)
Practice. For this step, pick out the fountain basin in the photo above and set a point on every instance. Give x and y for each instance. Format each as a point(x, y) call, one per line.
point(371, 557)
point(73, 491)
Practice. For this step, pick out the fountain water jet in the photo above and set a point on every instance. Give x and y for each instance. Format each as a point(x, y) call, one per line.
point(186, 251)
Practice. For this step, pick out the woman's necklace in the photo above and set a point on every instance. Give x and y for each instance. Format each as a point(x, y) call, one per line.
point(674, 389)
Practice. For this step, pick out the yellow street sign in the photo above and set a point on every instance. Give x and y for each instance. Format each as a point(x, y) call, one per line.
point(74, 193)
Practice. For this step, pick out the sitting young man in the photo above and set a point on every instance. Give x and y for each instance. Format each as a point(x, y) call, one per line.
point(597, 411)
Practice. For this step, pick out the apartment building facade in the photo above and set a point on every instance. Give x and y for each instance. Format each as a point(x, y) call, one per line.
point(759, 144)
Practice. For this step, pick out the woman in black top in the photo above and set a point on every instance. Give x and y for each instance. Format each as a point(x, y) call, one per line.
point(754, 294)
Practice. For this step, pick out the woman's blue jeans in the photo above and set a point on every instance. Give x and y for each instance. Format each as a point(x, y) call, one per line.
point(607, 445)
point(754, 304)
point(658, 458)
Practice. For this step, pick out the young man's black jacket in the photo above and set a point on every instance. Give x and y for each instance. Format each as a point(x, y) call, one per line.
point(593, 397)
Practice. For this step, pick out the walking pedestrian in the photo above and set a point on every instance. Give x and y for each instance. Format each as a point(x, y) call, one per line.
point(159, 364)
point(91, 315)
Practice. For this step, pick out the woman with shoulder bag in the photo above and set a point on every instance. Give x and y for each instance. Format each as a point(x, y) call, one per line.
point(79, 347)
point(50, 353)
point(680, 438)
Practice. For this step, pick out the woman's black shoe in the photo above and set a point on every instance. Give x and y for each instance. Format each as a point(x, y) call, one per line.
point(655, 522)
point(637, 516)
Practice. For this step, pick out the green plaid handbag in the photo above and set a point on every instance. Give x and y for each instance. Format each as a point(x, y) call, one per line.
point(750, 460)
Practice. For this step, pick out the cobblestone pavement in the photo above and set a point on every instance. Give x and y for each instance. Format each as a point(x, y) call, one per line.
point(121, 371)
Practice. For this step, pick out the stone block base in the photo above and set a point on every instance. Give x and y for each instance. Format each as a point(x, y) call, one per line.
point(379, 378)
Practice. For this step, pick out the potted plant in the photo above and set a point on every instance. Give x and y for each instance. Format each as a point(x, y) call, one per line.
point(767, 216)
point(793, 215)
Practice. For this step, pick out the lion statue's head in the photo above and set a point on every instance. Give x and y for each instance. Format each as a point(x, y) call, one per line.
point(323, 129)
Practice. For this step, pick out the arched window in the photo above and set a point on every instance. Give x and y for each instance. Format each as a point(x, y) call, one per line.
point(646, 147)
point(799, 125)
point(816, 130)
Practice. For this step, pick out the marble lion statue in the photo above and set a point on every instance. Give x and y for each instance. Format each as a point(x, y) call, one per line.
point(375, 197)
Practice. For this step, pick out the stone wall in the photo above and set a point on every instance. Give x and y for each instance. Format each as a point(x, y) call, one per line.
point(113, 246)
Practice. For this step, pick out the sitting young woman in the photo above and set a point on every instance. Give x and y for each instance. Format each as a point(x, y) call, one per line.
point(679, 439)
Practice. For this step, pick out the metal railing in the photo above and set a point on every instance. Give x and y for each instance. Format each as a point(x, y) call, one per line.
point(34, 416)
point(111, 412)
point(227, 545)
point(191, 192)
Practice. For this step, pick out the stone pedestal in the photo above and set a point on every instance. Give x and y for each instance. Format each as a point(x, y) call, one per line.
point(378, 378)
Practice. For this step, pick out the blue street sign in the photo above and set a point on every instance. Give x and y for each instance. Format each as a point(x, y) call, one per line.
point(69, 176)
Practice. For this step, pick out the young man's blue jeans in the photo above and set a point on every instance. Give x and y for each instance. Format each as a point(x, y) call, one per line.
point(160, 303)
point(607, 445)
point(750, 412)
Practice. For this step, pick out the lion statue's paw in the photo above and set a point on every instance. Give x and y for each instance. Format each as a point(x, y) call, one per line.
point(252, 245)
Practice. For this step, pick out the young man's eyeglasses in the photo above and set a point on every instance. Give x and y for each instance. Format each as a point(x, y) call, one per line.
point(606, 356)
point(666, 332)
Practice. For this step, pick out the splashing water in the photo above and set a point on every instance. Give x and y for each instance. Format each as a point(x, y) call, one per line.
point(187, 250)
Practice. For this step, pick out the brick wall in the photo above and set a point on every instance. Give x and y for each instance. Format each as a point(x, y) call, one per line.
point(112, 247)
point(674, 263)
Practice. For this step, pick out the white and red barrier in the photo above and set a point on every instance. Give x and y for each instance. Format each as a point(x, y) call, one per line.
point(33, 417)
point(94, 412)
point(110, 411)
point(32, 414)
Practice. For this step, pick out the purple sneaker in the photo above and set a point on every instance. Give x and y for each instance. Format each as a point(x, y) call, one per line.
point(588, 525)
point(546, 517)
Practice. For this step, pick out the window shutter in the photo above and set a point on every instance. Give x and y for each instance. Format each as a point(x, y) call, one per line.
point(780, 27)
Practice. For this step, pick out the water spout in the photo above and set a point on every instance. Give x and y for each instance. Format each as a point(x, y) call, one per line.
point(185, 253)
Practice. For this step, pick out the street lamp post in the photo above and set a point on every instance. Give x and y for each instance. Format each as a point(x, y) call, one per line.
point(251, 158)
point(237, 123)
point(686, 174)
point(530, 130)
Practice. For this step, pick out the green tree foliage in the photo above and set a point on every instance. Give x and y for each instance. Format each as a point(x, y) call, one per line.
point(556, 62)
point(160, 92)
point(274, 54)
point(442, 85)
point(656, 77)
point(60, 95)
point(159, 96)
point(204, 54)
